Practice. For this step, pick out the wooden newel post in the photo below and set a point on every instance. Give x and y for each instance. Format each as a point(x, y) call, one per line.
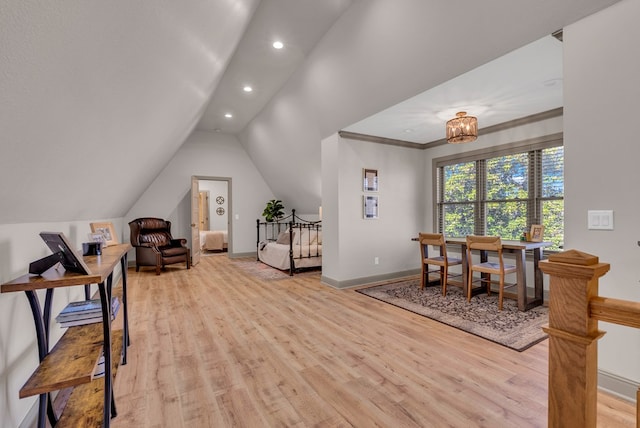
point(573, 336)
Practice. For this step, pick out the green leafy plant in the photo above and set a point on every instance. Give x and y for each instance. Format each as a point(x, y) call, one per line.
point(274, 210)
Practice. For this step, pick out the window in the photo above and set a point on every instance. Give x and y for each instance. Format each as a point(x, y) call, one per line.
point(503, 191)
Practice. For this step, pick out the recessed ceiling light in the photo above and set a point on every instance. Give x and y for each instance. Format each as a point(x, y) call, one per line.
point(228, 115)
point(278, 44)
point(247, 88)
point(408, 130)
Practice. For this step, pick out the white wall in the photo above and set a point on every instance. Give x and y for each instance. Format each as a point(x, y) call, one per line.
point(401, 211)
point(209, 154)
point(601, 94)
point(216, 188)
point(20, 244)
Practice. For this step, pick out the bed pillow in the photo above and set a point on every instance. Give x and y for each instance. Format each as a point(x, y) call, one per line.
point(303, 239)
point(283, 238)
point(316, 237)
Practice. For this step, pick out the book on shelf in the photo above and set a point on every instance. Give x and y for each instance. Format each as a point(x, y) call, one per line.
point(76, 316)
point(98, 372)
point(82, 306)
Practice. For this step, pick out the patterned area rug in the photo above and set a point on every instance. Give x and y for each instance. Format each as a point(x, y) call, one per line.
point(267, 273)
point(510, 327)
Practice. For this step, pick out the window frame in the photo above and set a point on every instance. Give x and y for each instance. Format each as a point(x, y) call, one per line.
point(531, 146)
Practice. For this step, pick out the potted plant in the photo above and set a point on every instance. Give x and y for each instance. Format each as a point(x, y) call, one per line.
point(273, 210)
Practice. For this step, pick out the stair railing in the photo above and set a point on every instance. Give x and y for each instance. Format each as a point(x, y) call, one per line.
point(574, 311)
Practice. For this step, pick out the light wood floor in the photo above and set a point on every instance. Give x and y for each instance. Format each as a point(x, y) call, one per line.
point(214, 347)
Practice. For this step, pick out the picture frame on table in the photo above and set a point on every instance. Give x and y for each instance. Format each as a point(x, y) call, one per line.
point(370, 179)
point(535, 235)
point(107, 229)
point(370, 207)
point(98, 237)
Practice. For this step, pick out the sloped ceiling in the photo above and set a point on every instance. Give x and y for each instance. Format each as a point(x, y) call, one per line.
point(299, 24)
point(380, 53)
point(97, 97)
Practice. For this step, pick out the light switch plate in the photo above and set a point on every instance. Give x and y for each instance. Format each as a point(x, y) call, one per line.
point(600, 219)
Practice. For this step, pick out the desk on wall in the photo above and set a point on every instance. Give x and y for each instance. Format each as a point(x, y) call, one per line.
point(519, 249)
point(78, 368)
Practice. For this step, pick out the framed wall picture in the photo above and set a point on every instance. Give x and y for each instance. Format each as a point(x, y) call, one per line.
point(536, 232)
point(107, 230)
point(370, 207)
point(370, 178)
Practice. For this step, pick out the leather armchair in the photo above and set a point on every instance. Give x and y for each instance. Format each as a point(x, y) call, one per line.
point(151, 237)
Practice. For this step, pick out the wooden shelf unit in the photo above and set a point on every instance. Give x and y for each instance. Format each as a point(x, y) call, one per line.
point(72, 361)
point(85, 405)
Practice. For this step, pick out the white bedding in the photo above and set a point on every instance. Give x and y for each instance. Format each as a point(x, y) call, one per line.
point(213, 239)
point(277, 255)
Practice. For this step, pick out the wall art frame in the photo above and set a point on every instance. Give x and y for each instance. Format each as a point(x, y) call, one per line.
point(370, 180)
point(370, 207)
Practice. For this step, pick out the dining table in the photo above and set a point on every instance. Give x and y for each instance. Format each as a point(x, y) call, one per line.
point(519, 249)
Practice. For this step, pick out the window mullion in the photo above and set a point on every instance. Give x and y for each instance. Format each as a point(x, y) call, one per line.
point(440, 207)
point(479, 224)
point(534, 206)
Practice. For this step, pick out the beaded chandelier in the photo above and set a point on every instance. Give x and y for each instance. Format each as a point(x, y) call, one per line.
point(462, 128)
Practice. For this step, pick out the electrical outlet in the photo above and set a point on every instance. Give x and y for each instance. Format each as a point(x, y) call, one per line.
point(376, 261)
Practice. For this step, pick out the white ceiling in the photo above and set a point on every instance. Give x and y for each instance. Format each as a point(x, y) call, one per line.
point(299, 25)
point(524, 82)
point(521, 83)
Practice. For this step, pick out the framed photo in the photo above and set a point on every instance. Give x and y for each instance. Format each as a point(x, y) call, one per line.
point(536, 232)
point(98, 237)
point(370, 207)
point(370, 178)
point(107, 230)
point(68, 258)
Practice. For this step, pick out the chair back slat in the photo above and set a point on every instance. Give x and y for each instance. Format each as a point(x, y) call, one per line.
point(435, 239)
point(486, 243)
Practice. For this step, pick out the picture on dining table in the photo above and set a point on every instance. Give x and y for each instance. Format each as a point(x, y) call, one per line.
point(536, 232)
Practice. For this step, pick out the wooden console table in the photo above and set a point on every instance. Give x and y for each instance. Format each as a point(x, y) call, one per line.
point(72, 360)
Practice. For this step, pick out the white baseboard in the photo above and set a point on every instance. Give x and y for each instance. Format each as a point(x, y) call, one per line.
point(617, 385)
point(367, 280)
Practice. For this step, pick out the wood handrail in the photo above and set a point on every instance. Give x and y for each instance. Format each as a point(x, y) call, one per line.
point(622, 312)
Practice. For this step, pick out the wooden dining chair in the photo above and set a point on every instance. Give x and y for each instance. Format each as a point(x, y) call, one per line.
point(493, 244)
point(439, 258)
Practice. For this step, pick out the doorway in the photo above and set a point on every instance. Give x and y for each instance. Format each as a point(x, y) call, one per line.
point(211, 226)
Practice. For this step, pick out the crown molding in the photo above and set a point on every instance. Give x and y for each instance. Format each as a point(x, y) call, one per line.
point(482, 131)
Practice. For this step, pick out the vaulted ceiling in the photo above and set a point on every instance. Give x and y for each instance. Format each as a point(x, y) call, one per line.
point(97, 97)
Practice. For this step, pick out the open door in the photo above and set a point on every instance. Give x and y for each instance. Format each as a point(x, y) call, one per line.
point(203, 214)
point(195, 220)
